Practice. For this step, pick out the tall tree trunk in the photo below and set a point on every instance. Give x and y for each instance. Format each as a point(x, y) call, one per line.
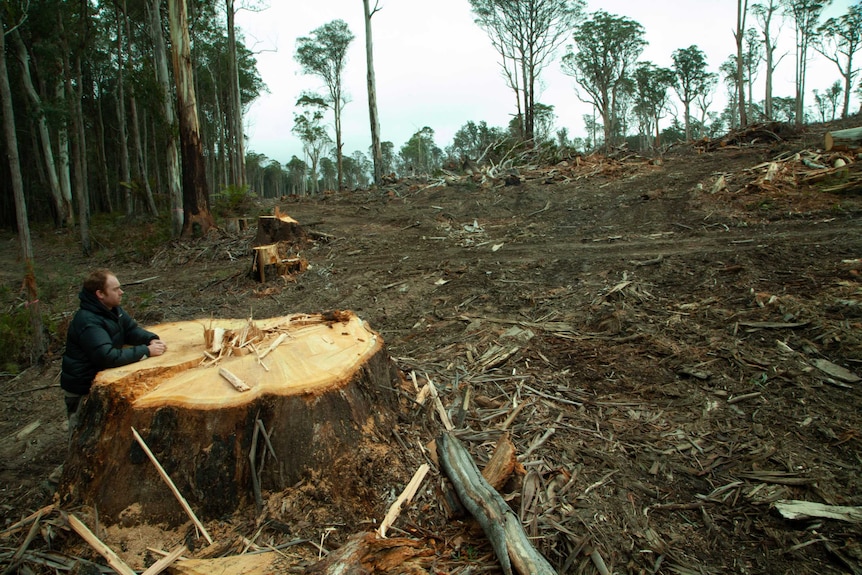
point(104, 181)
point(25, 245)
point(125, 170)
point(739, 35)
point(197, 217)
point(171, 154)
point(339, 152)
point(237, 147)
point(63, 167)
point(61, 216)
point(78, 143)
point(140, 170)
point(376, 152)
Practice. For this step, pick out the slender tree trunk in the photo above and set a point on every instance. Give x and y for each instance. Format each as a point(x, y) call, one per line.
point(125, 170)
point(376, 152)
point(104, 180)
point(235, 105)
point(78, 143)
point(739, 35)
point(63, 167)
point(197, 217)
point(25, 245)
point(134, 123)
point(61, 216)
point(172, 166)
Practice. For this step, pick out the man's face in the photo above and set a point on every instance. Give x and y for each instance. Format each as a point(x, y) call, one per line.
point(112, 295)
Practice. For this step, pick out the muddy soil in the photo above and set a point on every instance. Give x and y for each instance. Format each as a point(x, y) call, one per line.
point(671, 353)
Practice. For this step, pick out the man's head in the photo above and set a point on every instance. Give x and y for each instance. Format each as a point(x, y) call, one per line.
point(103, 284)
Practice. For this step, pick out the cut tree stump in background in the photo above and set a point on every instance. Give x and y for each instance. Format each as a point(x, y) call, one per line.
point(279, 237)
point(325, 389)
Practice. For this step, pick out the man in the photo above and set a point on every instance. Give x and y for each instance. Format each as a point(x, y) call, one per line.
point(101, 336)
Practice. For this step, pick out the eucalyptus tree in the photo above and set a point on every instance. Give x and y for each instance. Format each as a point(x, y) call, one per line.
point(197, 217)
point(297, 176)
point(526, 35)
point(166, 116)
point(235, 131)
point(10, 18)
point(752, 55)
point(62, 205)
point(738, 36)
point(315, 141)
point(728, 70)
point(373, 118)
point(691, 79)
point(420, 155)
point(838, 40)
point(324, 54)
point(387, 155)
point(764, 14)
point(474, 141)
point(607, 48)
point(805, 15)
point(652, 84)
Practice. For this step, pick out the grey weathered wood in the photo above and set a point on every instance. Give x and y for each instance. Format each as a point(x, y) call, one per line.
point(498, 521)
point(844, 140)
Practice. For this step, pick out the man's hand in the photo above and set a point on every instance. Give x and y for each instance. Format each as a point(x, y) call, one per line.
point(156, 347)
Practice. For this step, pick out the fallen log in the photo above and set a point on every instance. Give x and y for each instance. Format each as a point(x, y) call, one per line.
point(325, 396)
point(497, 519)
point(849, 140)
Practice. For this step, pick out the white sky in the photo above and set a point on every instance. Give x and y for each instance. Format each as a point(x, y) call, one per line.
point(435, 67)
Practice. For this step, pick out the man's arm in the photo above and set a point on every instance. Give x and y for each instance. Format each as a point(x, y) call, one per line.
point(96, 343)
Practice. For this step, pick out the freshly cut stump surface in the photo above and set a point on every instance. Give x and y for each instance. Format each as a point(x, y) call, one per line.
point(322, 393)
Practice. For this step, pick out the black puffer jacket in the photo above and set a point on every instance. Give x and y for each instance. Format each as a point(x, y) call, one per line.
point(96, 341)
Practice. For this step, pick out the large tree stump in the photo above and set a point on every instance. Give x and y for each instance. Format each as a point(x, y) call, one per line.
point(322, 386)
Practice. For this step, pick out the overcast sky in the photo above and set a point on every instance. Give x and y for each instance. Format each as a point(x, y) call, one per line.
point(435, 67)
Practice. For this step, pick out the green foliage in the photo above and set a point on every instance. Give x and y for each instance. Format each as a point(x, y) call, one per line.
point(601, 77)
point(233, 201)
point(420, 155)
point(14, 322)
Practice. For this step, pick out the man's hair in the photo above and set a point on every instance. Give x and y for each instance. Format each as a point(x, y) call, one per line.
point(97, 279)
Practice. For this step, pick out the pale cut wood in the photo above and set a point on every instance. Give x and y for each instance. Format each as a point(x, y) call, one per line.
point(498, 521)
point(794, 509)
point(112, 558)
point(405, 497)
point(278, 341)
point(165, 561)
point(848, 140)
point(235, 381)
point(186, 507)
point(248, 564)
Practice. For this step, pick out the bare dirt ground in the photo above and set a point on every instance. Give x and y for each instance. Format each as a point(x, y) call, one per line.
point(670, 355)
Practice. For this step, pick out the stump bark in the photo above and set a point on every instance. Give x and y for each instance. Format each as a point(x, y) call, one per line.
point(320, 386)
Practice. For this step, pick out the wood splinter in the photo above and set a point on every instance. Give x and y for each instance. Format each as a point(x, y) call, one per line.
point(235, 381)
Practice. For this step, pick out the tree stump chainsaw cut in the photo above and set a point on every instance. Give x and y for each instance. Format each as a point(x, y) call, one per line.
point(276, 246)
point(307, 391)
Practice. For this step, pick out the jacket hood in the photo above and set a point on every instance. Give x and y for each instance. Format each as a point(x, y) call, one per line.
point(90, 302)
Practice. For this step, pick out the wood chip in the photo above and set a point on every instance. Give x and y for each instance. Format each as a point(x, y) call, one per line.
point(235, 381)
